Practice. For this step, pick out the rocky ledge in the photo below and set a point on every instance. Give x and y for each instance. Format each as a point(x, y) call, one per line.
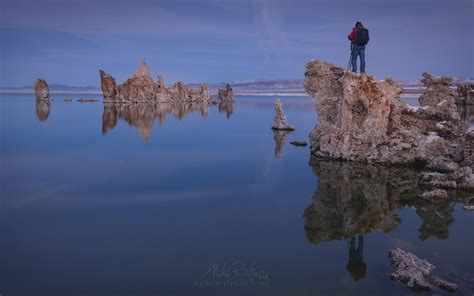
point(416, 273)
point(362, 119)
point(142, 88)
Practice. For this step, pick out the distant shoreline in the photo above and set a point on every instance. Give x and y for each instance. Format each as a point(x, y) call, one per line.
point(256, 93)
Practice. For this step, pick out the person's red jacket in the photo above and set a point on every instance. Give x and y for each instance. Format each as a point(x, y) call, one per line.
point(353, 34)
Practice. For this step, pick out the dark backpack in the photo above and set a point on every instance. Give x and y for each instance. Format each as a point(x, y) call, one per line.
point(362, 37)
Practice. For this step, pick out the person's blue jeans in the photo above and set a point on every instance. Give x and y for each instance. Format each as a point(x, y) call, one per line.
point(358, 50)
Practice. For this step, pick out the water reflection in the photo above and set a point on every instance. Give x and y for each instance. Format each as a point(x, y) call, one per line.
point(42, 110)
point(356, 265)
point(354, 199)
point(142, 116)
point(279, 136)
point(227, 108)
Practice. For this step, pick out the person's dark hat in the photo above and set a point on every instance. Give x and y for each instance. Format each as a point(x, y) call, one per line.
point(358, 24)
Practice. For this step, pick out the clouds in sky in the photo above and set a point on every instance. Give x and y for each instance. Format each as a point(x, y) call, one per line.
point(67, 42)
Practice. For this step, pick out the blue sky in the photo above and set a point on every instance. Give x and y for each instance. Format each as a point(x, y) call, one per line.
point(66, 42)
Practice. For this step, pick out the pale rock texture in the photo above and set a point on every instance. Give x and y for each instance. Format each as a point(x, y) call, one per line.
point(140, 88)
point(42, 90)
point(437, 195)
point(362, 119)
point(437, 90)
point(280, 122)
point(416, 273)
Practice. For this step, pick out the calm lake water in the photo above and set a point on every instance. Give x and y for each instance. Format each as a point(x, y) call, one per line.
point(184, 200)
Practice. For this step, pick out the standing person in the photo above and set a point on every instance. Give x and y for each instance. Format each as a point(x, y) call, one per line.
point(359, 37)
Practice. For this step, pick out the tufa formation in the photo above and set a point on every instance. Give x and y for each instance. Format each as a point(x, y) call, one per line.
point(141, 88)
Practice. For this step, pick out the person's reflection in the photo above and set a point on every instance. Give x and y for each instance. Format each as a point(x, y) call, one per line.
point(356, 265)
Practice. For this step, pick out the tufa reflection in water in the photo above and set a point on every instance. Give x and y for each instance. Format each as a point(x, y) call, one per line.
point(42, 110)
point(353, 199)
point(279, 136)
point(356, 198)
point(142, 116)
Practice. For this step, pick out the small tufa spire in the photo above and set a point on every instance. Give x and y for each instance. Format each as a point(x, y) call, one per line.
point(143, 70)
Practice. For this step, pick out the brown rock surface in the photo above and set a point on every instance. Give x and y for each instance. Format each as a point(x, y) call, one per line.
point(225, 94)
point(140, 88)
point(42, 90)
point(362, 119)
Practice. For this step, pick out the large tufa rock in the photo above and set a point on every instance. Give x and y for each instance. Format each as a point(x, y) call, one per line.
point(141, 88)
point(279, 121)
point(416, 273)
point(42, 90)
point(362, 119)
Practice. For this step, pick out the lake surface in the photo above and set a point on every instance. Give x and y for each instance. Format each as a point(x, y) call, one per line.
point(188, 200)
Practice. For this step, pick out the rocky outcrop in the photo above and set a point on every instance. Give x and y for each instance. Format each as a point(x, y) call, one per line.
point(465, 94)
point(299, 143)
point(225, 94)
point(42, 90)
point(280, 122)
point(416, 273)
point(141, 88)
point(109, 88)
point(361, 119)
point(437, 91)
point(87, 100)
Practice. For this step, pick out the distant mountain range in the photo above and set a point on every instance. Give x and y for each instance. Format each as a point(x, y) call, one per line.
point(255, 87)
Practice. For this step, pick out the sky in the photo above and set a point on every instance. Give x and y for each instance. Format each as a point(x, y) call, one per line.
point(67, 42)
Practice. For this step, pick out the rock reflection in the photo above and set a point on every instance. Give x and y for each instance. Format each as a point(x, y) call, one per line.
point(354, 199)
point(227, 107)
point(142, 116)
point(436, 219)
point(42, 110)
point(279, 136)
